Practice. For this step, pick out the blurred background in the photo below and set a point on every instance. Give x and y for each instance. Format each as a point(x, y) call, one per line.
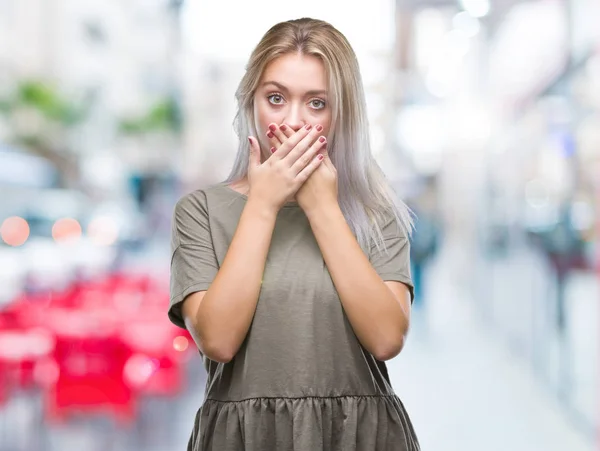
point(485, 115)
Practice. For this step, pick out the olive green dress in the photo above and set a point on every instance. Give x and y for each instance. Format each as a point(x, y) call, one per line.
point(301, 381)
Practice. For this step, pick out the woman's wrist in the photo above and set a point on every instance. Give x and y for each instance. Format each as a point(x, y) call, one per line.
point(323, 212)
point(261, 209)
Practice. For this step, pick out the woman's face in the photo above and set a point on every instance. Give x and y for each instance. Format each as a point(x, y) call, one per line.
point(292, 91)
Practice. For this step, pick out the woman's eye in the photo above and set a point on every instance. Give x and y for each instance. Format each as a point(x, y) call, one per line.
point(275, 99)
point(317, 104)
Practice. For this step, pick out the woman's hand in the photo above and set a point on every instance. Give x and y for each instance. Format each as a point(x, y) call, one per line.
point(320, 190)
point(285, 171)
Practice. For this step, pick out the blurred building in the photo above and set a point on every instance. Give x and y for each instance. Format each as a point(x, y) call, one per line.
point(117, 60)
point(498, 107)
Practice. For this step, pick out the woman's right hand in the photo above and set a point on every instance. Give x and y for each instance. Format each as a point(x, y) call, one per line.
point(283, 173)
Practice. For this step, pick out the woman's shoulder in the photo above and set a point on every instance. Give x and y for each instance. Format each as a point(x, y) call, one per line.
point(389, 224)
point(202, 196)
point(207, 200)
point(192, 200)
point(220, 194)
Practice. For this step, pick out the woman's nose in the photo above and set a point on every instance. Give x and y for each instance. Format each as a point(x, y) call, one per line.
point(294, 118)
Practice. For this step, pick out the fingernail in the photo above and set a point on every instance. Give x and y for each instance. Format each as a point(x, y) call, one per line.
point(308, 126)
point(269, 134)
point(272, 127)
point(322, 139)
point(273, 149)
point(319, 128)
point(282, 127)
point(320, 157)
point(250, 140)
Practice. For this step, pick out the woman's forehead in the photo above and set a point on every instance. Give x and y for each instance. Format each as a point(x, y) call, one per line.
point(296, 72)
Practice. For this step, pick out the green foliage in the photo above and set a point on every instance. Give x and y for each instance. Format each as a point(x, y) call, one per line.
point(162, 116)
point(45, 99)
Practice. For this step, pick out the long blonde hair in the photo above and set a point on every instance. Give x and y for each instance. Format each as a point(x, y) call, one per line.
point(366, 198)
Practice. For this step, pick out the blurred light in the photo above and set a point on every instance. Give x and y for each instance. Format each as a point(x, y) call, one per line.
point(593, 72)
point(33, 343)
point(555, 169)
point(536, 193)
point(445, 71)
point(582, 216)
point(557, 109)
point(542, 219)
point(476, 8)
point(21, 169)
point(13, 274)
point(471, 125)
point(103, 170)
point(14, 231)
point(66, 229)
point(41, 342)
point(48, 265)
point(420, 128)
point(428, 163)
point(528, 51)
point(457, 43)
point(377, 139)
point(466, 23)
point(138, 369)
point(430, 27)
point(437, 86)
point(180, 343)
point(103, 231)
point(46, 372)
point(198, 27)
point(376, 105)
point(374, 71)
point(567, 144)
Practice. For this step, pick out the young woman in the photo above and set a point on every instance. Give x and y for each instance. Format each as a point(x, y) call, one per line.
point(293, 275)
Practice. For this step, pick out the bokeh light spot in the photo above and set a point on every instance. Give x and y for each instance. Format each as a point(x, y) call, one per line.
point(103, 231)
point(66, 229)
point(14, 231)
point(180, 343)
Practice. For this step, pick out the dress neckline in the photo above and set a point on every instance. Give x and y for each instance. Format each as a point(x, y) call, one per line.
point(291, 204)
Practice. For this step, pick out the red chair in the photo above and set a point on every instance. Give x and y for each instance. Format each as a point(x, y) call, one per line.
point(90, 358)
point(108, 342)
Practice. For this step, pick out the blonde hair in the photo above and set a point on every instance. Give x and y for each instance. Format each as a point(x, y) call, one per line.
point(365, 196)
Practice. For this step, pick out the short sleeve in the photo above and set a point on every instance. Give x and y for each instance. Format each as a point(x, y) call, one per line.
point(193, 261)
point(392, 262)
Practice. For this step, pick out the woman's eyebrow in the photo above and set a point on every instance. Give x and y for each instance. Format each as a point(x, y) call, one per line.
point(313, 92)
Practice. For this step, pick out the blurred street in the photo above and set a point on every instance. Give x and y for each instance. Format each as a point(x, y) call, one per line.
point(466, 387)
point(485, 117)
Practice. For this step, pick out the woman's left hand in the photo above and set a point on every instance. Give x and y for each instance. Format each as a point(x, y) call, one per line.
point(320, 191)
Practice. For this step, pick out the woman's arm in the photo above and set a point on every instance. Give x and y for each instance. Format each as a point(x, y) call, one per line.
point(378, 311)
point(220, 317)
